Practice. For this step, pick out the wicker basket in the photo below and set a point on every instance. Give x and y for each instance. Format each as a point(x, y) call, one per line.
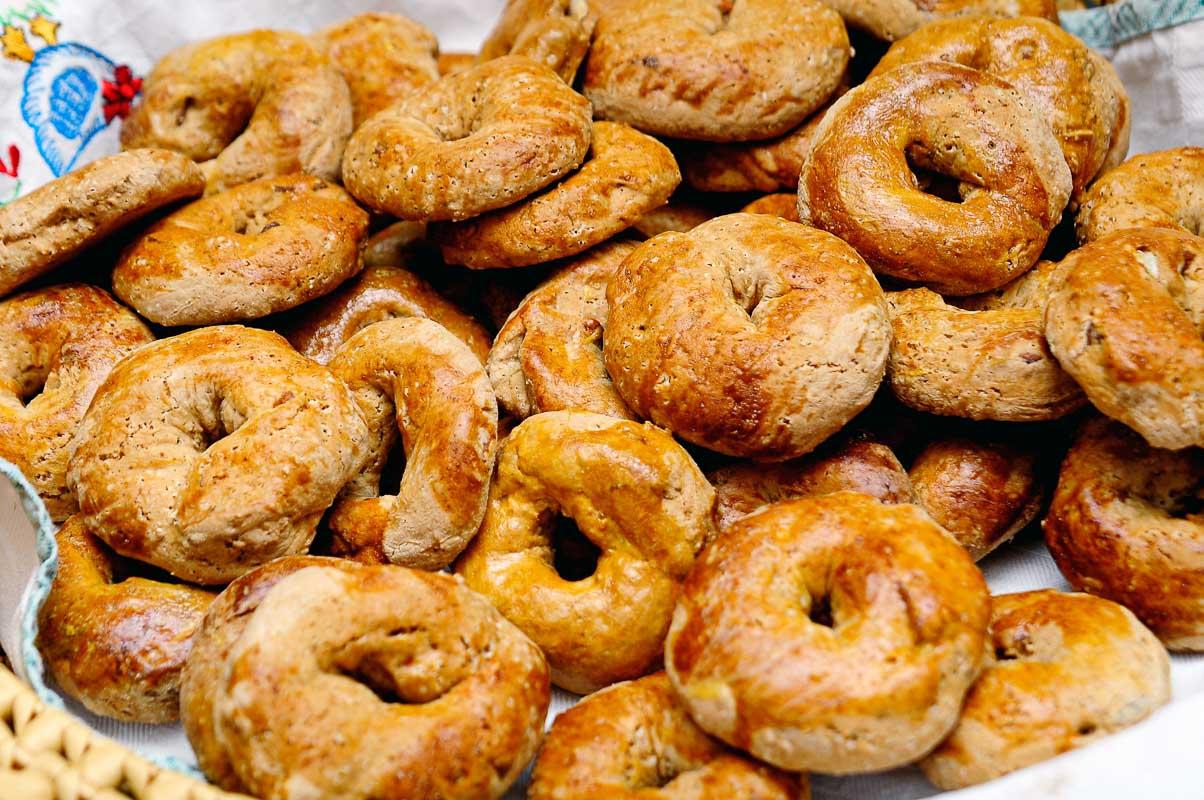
point(45, 754)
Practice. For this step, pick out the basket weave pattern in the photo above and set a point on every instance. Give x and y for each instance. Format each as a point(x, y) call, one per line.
point(45, 754)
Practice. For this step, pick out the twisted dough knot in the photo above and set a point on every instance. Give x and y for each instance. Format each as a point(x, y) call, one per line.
point(252, 105)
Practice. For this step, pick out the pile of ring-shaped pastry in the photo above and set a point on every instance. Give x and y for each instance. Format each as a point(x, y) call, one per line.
point(722, 457)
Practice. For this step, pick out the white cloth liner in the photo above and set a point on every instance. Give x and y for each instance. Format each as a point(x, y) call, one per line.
point(1164, 73)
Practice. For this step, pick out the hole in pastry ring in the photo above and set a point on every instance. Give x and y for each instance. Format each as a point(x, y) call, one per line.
point(1071, 669)
point(377, 294)
point(63, 340)
point(211, 452)
point(53, 223)
point(1125, 524)
point(853, 464)
point(1055, 70)
point(383, 57)
point(116, 644)
point(626, 175)
point(1126, 319)
point(251, 105)
point(472, 142)
point(548, 355)
point(982, 492)
point(972, 126)
point(411, 667)
point(412, 374)
point(1153, 190)
point(880, 695)
point(894, 19)
point(637, 495)
point(254, 250)
point(556, 33)
point(749, 335)
point(635, 740)
point(702, 69)
point(987, 364)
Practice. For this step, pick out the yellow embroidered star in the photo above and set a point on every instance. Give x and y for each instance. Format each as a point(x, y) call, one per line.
point(16, 46)
point(45, 29)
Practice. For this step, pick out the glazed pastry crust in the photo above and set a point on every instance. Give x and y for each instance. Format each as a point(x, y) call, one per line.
point(626, 175)
point(63, 341)
point(56, 222)
point(556, 33)
point(701, 69)
point(116, 643)
point(259, 248)
point(735, 335)
point(633, 492)
point(894, 19)
point(1062, 671)
point(1153, 190)
point(878, 687)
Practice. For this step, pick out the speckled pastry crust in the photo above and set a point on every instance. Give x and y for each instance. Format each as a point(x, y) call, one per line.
point(57, 345)
point(984, 364)
point(947, 118)
point(116, 643)
point(1153, 190)
point(1124, 318)
point(259, 248)
point(635, 741)
point(412, 376)
point(1064, 670)
point(981, 491)
point(398, 683)
point(740, 337)
point(894, 19)
point(759, 166)
point(705, 69)
point(56, 222)
point(873, 618)
point(556, 33)
point(633, 492)
point(781, 205)
point(383, 57)
point(1125, 524)
point(626, 175)
point(850, 464)
point(252, 105)
point(472, 142)
point(214, 451)
point(548, 355)
point(378, 294)
point(1055, 70)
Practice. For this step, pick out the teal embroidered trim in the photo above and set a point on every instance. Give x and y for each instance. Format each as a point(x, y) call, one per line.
point(1107, 26)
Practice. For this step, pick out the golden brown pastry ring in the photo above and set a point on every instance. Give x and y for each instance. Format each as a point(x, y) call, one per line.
point(873, 618)
point(1125, 318)
point(214, 451)
point(749, 335)
point(1125, 524)
point(548, 355)
point(57, 345)
point(1152, 190)
point(950, 119)
point(556, 33)
point(1062, 671)
point(635, 741)
point(259, 248)
point(626, 175)
point(362, 681)
point(116, 642)
point(894, 19)
point(473, 141)
point(412, 375)
point(633, 492)
point(251, 105)
point(716, 71)
point(55, 222)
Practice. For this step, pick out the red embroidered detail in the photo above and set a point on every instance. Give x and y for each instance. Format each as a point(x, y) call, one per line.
point(14, 158)
point(119, 93)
